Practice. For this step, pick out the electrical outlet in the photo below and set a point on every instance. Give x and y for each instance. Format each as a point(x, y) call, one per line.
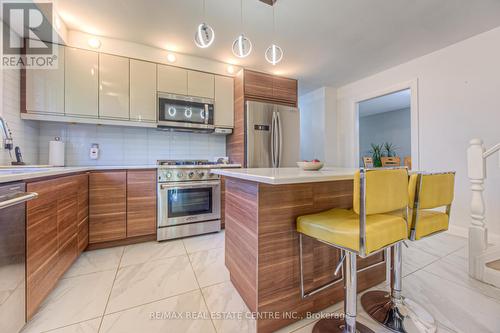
point(94, 151)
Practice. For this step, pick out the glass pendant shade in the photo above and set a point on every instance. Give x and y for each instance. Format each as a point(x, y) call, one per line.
point(274, 54)
point(204, 36)
point(242, 46)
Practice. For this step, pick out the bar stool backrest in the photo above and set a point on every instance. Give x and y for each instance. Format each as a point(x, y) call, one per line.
point(386, 190)
point(432, 190)
point(428, 192)
point(378, 191)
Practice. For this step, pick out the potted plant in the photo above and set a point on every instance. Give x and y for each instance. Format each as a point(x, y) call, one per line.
point(390, 149)
point(376, 155)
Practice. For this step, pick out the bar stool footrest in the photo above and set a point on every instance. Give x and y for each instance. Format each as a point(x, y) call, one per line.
point(405, 316)
point(337, 325)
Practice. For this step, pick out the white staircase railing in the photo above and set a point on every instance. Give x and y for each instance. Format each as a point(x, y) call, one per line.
point(480, 253)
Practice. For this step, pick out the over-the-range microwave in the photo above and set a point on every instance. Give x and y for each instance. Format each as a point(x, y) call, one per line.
point(185, 113)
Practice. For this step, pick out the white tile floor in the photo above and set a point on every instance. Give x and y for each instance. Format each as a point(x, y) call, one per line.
point(129, 289)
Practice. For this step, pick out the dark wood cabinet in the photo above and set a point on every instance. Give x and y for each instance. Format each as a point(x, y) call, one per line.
point(107, 206)
point(141, 202)
point(262, 86)
point(67, 209)
point(51, 235)
point(122, 207)
point(285, 89)
point(83, 212)
point(41, 233)
point(258, 85)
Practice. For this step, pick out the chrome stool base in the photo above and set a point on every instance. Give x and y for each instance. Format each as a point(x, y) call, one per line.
point(337, 325)
point(405, 316)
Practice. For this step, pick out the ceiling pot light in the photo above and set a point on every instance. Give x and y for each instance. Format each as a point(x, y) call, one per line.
point(205, 35)
point(274, 54)
point(171, 57)
point(242, 46)
point(94, 43)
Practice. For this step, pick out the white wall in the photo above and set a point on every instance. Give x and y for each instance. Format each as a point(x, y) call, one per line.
point(393, 127)
point(458, 99)
point(317, 124)
point(128, 145)
point(312, 129)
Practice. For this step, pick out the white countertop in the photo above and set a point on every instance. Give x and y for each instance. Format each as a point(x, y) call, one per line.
point(19, 173)
point(287, 175)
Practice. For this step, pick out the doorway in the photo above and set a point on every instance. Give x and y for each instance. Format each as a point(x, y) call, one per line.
point(385, 130)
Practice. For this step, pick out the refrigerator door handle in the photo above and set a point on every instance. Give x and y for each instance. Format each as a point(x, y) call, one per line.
point(280, 140)
point(273, 129)
point(276, 141)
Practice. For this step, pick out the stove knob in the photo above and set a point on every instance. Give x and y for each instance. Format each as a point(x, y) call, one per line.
point(191, 174)
point(168, 175)
point(201, 174)
point(180, 174)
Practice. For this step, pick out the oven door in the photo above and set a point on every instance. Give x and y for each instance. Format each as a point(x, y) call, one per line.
point(181, 203)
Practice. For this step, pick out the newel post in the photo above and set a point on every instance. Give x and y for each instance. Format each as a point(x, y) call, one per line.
point(478, 233)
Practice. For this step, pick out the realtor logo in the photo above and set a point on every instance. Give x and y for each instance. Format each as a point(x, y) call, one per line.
point(28, 35)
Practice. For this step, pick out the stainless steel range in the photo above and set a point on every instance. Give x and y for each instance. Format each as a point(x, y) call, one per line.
point(188, 199)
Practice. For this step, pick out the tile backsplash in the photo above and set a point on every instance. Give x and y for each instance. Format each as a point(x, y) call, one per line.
point(127, 145)
point(25, 133)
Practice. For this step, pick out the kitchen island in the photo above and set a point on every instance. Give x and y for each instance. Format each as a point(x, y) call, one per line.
point(262, 249)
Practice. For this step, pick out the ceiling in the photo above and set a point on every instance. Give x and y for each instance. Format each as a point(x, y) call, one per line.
point(326, 42)
point(387, 103)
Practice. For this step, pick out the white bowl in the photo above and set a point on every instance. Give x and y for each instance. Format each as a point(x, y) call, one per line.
point(310, 166)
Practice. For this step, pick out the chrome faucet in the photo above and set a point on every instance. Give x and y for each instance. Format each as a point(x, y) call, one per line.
point(8, 142)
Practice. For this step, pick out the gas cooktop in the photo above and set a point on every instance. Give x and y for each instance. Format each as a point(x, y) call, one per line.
point(185, 162)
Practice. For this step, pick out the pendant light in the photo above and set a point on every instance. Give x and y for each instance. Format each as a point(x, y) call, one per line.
point(274, 53)
point(205, 35)
point(242, 46)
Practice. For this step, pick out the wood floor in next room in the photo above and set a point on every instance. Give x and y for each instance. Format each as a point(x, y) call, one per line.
point(117, 290)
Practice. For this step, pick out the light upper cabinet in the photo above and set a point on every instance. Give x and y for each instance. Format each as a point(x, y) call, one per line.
point(142, 90)
point(114, 82)
point(172, 80)
point(224, 102)
point(81, 83)
point(200, 84)
point(45, 87)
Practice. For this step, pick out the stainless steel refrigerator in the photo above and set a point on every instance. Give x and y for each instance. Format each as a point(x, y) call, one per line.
point(272, 135)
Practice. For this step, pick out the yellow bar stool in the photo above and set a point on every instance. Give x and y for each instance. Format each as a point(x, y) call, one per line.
point(365, 230)
point(427, 193)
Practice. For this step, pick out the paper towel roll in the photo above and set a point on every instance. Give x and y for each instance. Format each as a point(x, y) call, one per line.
point(56, 153)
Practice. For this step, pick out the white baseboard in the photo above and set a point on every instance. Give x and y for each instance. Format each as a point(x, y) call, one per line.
point(464, 232)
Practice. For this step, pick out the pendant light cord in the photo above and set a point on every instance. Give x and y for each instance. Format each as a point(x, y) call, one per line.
point(204, 11)
point(241, 13)
point(274, 24)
